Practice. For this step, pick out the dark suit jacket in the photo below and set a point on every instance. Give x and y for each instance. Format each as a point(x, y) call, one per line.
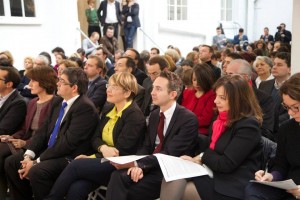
point(268, 39)
point(128, 132)
point(180, 138)
point(24, 132)
point(102, 12)
point(281, 115)
point(97, 92)
point(286, 39)
point(74, 134)
point(139, 97)
point(12, 114)
point(139, 75)
point(134, 13)
point(236, 157)
point(267, 105)
point(216, 70)
point(147, 84)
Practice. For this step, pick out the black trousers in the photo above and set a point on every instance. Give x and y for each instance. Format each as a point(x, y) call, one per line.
point(41, 177)
point(116, 27)
point(121, 187)
point(92, 29)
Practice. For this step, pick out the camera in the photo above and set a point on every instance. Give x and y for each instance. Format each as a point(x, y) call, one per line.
point(279, 28)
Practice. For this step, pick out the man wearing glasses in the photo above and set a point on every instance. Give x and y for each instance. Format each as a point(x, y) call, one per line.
point(65, 135)
point(12, 105)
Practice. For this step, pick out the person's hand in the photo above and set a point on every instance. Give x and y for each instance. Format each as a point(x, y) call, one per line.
point(295, 192)
point(26, 166)
point(135, 173)
point(282, 35)
point(262, 176)
point(109, 151)
point(5, 138)
point(122, 166)
point(81, 156)
point(196, 159)
point(18, 143)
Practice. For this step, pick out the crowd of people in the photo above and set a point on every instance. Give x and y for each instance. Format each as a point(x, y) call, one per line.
point(222, 105)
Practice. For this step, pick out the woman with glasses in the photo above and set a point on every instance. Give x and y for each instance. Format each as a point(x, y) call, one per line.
point(120, 132)
point(43, 84)
point(286, 164)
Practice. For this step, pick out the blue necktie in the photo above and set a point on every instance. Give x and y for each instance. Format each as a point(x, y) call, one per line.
point(57, 125)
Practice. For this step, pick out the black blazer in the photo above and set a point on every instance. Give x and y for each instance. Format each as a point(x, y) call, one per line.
point(12, 114)
point(236, 157)
point(74, 134)
point(139, 97)
point(97, 92)
point(147, 84)
point(134, 13)
point(128, 133)
point(180, 138)
point(102, 12)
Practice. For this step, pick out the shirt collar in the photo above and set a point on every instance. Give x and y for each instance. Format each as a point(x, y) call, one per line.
point(113, 113)
point(169, 113)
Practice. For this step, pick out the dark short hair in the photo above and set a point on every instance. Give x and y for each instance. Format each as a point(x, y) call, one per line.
point(100, 63)
point(284, 56)
point(291, 87)
point(129, 63)
point(58, 49)
point(187, 62)
point(160, 60)
point(45, 76)
point(175, 83)
point(241, 30)
point(77, 76)
point(234, 56)
point(137, 54)
point(211, 50)
point(111, 28)
point(12, 76)
point(204, 76)
point(156, 49)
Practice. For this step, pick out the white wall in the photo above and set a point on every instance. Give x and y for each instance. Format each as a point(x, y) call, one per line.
point(57, 27)
point(296, 37)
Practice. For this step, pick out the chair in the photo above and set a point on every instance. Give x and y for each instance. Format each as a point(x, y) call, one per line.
point(97, 194)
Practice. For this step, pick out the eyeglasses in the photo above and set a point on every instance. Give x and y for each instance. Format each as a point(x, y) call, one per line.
point(293, 108)
point(63, 82)
point(112, 87)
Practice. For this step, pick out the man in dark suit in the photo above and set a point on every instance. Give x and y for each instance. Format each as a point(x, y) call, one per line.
point(172, 130)
point(127, 64)
point(138, 73)
point(242, 67)
point(109, 14)
point(97, 85)
point(12, 104)
point(266, 36)
point(156, 65)
point(65, 135)
point(281, 71)
point(205, 54)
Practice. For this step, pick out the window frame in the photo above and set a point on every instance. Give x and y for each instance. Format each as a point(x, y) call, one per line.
point(226, 10)
point(8, 19)
point(178, 10)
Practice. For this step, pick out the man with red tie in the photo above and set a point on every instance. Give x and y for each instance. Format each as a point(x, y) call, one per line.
point(172, 130)
point(65, 134)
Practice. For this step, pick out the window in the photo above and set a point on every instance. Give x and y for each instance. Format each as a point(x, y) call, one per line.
point(19, 12)
point(226, 10)
point(177, 9)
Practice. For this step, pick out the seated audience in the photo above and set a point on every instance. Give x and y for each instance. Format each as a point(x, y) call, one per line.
point(172, 130)
point(120, 133)
point(236, 128)
point(65, 134)
point(200, 99)
point(285, 165)
point(43, 84)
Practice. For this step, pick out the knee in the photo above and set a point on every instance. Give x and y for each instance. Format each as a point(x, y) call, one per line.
point(119, 176)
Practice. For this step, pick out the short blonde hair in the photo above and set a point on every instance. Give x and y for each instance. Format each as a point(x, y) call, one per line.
point(127, 82)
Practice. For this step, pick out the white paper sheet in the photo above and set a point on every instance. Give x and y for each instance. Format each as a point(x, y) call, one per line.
point(123, 159)
point(286, 185)
point(174, 168)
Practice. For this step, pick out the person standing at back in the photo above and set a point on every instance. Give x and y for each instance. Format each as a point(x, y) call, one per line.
point(92, 18)
point(109, 14)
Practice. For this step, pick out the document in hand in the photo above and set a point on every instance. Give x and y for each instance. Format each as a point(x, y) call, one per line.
point(123, 159)
point(286, 185)
point(174, 168)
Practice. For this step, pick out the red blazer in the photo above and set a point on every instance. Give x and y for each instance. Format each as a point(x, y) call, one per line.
point(202, 107)
point(24, 133)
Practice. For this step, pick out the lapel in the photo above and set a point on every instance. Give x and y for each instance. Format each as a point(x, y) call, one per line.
point(69, 113)
point(8, 102)
point(92, 87)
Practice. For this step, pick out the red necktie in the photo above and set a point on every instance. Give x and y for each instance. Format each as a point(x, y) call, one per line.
point(160, 132)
